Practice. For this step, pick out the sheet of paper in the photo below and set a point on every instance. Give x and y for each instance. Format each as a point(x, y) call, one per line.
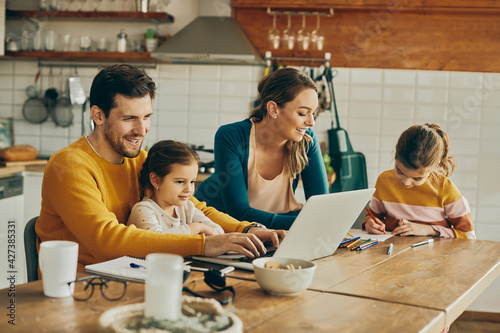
point(365, 235)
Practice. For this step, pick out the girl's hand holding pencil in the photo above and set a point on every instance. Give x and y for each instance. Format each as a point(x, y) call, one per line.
point(374, 225)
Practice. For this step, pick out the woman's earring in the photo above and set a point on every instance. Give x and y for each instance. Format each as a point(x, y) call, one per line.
point(157, 188)
point(275, 116)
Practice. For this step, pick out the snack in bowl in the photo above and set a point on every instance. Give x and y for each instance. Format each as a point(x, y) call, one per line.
point(282, 276)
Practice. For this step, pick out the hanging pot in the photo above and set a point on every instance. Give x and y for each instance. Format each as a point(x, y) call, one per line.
point(62, 110)
point(34, 109)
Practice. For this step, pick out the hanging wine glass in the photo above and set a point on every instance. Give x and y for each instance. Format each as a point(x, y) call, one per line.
point(303, 36)
point(317, 37)
point(273, 36)
point(288, 37)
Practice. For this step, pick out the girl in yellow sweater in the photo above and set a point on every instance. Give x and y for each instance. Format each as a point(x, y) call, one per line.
point(417, 197)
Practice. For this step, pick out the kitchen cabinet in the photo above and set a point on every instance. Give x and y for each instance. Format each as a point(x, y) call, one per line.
point(32, 194)
point(420, 34)
point(150, 17)
point(12, 259)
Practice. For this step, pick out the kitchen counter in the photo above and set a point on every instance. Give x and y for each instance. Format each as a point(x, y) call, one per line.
point(10, 168)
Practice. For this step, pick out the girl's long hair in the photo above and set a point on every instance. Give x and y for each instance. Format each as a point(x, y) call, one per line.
point(281, 87)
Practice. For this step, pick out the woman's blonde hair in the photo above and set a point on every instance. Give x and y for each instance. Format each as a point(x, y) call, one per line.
point(281, 87)
point(422, 146)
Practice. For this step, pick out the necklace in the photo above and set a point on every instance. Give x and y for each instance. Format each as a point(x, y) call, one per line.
point(87, 138)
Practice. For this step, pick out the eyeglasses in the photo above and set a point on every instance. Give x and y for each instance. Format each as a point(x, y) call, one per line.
point(217, 281)
point(111, 289)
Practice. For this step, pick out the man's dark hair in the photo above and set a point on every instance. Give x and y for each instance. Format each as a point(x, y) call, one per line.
point(123, 79)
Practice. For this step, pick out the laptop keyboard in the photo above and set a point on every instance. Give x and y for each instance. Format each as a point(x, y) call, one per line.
point(249, 260)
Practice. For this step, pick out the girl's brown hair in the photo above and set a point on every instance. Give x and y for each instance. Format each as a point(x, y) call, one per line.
point(281, 87)
point(422, 146)
point(160, 159)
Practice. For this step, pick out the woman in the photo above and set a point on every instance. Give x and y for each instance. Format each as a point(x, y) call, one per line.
point(258, 161)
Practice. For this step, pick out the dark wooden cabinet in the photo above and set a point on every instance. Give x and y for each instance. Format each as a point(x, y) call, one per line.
point(418, 34)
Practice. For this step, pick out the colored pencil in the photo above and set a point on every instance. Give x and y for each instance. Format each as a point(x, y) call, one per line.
point(362, 243)
point(353, 243)
point(368, 245)
point(389, 252)
point(374, 218)
point(348, 241)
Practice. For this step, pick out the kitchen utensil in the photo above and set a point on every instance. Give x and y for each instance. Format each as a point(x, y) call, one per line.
point(32, 90)
point(76, 92)
point(34, 109)
point(303, 36)
point(62, 113)
point(51, 93)
point(273, 36)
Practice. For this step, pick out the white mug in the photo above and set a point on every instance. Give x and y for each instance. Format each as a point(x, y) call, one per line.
point(163, 286)
point(58, 263)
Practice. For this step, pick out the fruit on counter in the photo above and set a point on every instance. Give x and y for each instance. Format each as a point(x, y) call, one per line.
point(18, 153)
point(327, 160)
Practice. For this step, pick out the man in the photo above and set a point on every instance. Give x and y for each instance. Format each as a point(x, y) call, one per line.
point(90, 186)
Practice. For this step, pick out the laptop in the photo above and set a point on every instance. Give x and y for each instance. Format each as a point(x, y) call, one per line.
point(317, 231)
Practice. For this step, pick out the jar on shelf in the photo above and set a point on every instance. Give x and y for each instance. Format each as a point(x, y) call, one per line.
point(121, 45)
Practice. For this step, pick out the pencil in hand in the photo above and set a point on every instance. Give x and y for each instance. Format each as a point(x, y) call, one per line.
point(375, 219)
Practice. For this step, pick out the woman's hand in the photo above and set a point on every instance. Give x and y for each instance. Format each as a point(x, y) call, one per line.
point(246, 244)
point(407, 228)
point(374, 228)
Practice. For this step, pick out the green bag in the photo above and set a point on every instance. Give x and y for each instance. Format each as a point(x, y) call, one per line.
point(349, 166)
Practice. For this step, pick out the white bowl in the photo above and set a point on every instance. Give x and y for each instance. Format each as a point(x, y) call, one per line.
point(284, 282)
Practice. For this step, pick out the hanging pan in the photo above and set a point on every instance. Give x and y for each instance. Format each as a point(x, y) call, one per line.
point(62, 111)
point(34, 109)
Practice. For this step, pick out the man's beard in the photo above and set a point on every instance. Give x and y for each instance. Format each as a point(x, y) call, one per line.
point(119, 146)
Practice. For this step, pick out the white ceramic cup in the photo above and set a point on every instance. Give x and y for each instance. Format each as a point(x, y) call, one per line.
point(58, 262)
point(163, 286)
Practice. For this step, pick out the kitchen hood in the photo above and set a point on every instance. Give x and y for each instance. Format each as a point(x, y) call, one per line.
point(209, 40)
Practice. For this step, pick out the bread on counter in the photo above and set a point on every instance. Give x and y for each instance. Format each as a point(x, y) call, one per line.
point(18, 153)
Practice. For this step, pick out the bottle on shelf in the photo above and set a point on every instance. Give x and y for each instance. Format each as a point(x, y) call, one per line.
point(121, 45)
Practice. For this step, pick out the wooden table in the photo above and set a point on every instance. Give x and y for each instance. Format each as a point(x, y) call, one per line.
point(419, 289)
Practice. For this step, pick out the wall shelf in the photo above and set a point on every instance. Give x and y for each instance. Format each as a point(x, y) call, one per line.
point(97, 16)
point(81, 56)
point(156, 17)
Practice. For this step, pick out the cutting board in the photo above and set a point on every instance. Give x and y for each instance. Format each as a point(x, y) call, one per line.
point(22, 163)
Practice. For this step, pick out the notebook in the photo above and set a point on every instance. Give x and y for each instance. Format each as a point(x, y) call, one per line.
point(317, 231)
point(130, 269)
point(120, 268)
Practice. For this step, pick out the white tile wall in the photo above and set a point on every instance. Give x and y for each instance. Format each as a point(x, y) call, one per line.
point(375, 106)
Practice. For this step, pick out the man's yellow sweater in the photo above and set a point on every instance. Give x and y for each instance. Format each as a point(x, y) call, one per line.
point(87, 200)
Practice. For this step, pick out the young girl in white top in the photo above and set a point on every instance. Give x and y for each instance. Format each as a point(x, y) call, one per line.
point(166, 184)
